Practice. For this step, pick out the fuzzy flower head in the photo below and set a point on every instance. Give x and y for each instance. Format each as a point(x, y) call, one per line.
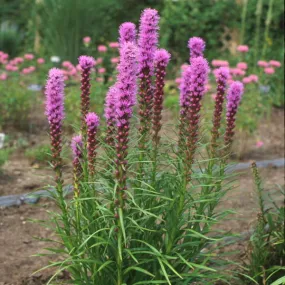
point(196, 46)
point(128, 33)
point(199, 76)
point(161, 57)
point(194, 80)
point(92, 121)
point(54, 97)
point(40, 60)
point(234, 97)
point(86, 40)
point(86, 62)
point(76, 146)
point(222, 74)
point(148, 39)
point(126, 83)
point(110, 103)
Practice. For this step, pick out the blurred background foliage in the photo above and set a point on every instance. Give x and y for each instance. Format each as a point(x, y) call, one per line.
point(56, 27)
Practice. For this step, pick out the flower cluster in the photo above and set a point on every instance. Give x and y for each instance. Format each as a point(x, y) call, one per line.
point(92, 122)
point(233, 100)
point(222, 76)
point(55, 114)
point(86, 63)
point(161, 59)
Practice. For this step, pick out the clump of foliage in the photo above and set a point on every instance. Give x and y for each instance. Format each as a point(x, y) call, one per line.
point(39, 153)
point(266, 262)
point(143, 206)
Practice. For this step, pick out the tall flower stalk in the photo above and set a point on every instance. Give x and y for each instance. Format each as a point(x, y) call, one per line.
point(92, 123)
point(126, 99)
point(54, 111)
point(147, 42)
point(86, 63)
point(233, 100)
point(76, 147)
point(161, 60)
point(222, 76)
point(199, 71)
point(55, 114)
point(110, 115)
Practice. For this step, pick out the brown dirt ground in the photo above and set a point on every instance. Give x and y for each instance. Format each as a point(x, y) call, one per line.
point(21, 176)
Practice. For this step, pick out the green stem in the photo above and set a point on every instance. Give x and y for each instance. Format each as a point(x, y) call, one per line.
point(267, 26)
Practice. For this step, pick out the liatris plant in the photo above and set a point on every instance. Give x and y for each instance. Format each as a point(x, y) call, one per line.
point(222, 76)
point(147, 42)
point(161, 60)
point(86, 63)
point(92, 123)
point(233, 99)
point(110, 115)
point(122, 227)
point(55, 115)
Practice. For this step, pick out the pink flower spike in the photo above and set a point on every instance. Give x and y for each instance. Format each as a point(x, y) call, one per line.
point(243, 48)
point(76, 146)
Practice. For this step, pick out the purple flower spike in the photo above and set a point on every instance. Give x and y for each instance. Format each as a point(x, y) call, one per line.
point(86, 63)
point(92, 123)
point(110, 114)
point(126, 83)
point(76, 146)
point(222, 75)
point(196, 46)
point(193, 88)
point(55, 113)
point(233, 100)
point(148, 39)
point(128, 33)
point(125, 100)
point(161, 59)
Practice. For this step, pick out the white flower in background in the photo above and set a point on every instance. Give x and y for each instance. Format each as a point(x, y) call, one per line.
point(2, 138)
point(55, 59)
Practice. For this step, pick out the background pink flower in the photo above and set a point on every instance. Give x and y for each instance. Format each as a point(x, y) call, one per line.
point(29, 56)
point(243, 48)
point(102, 48)
point(275, 63)
point(259, 144)
point(269, 70)
point(86, 40)
point(40, 61)
point(102, 70)
point(242, 65)
point(262, 63)
point(114, 45)
point(3, 76)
